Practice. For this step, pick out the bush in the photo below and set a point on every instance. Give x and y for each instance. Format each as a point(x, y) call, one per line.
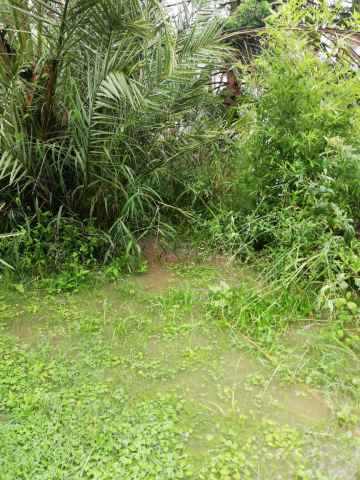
point(295, 199)
point(305, 154)
point(49, 244)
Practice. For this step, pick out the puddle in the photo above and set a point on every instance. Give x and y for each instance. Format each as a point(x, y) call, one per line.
point(156, 280)
point(23, 330)
point(27, 330)
point(297, 405)
point(30, 334)
point(238, 385)
point(236, 367)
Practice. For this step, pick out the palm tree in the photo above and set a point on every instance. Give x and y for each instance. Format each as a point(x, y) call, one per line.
point(98, 99)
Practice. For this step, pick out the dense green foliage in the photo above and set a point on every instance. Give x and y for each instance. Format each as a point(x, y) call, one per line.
point(112, 111)
point(292, 195)
point(144, 143)
point(249, 14)
point(124, 138)
point(302, 162)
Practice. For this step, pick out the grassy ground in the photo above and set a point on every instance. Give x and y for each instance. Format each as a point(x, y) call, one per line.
point(144, 378)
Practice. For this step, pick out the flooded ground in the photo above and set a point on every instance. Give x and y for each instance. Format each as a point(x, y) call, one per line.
point(135, 379)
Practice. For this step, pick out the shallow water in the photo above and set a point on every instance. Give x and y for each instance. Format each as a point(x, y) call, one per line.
point(156, 280)
point(157, 341)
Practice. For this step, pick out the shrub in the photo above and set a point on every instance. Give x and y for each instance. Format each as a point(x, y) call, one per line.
point(296, 180)
point(49, 244)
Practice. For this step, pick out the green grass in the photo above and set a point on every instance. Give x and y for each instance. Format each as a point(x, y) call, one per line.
point(153, 377)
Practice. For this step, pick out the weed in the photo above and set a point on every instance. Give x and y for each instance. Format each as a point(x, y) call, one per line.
point(260, 315)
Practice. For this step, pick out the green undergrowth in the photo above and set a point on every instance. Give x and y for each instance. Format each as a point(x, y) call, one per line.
point(193, 372)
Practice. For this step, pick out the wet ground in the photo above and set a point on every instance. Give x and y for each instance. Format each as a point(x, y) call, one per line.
point(134, 379)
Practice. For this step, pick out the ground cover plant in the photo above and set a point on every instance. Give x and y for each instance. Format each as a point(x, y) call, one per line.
point(140, 379)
